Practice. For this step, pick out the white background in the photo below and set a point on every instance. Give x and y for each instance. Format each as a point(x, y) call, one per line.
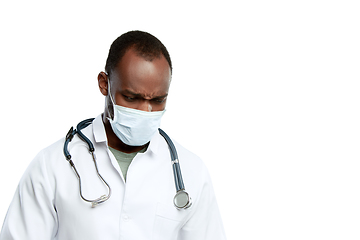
point(266, 92)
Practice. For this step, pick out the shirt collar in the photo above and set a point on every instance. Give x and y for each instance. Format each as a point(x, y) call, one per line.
point(100, 135)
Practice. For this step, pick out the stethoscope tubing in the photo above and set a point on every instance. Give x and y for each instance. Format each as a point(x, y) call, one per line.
point(82, 125)
point(179, 184)
point(68, 139)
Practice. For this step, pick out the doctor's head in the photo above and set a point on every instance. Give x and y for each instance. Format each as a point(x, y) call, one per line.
point(137, 73)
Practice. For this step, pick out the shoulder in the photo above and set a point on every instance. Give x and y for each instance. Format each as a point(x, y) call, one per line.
point(38, 176)
point(50, 161)
point(43, 161)
point(53, 158)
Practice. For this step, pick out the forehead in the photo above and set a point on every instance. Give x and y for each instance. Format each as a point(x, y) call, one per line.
point(141, 75)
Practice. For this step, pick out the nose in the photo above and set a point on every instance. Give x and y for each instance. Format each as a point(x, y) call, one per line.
point(145, 106)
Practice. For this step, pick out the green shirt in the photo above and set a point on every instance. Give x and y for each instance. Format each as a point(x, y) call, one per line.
point(124, 159)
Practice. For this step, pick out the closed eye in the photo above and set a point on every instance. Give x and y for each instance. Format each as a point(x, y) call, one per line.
point(128, 98)
point(158, 100)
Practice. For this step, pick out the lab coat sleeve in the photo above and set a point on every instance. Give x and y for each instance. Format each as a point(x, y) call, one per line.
point(205, 222)
point(31, 214)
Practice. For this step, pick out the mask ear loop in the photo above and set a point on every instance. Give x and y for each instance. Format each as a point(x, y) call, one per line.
point(109, 93)
point(111, 99)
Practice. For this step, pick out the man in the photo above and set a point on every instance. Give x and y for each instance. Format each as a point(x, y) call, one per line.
point(47, 204)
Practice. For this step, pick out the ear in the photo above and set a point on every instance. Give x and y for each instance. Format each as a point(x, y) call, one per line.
point(103, 83)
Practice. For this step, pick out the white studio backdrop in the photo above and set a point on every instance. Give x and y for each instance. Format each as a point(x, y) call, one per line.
point(266, 92)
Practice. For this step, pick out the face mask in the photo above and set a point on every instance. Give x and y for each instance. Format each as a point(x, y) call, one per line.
point(134, 127)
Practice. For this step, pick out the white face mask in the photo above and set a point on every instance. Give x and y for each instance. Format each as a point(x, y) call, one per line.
point(134, 127)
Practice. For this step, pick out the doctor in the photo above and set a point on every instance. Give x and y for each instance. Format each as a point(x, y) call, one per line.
point(134, 161)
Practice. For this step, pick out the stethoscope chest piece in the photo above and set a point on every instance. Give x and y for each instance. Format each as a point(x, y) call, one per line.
point(182, 200)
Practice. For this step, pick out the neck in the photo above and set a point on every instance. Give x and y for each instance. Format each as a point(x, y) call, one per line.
point(115, 142)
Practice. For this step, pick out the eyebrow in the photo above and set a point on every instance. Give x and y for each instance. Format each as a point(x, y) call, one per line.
point(141, 95)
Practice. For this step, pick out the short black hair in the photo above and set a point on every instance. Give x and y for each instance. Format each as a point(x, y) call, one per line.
point(145, 45)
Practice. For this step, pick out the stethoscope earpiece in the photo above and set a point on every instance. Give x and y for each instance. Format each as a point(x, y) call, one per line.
point(68, 138)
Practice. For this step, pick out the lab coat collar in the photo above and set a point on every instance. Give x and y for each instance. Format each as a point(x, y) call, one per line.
point(99, 130)
point(100, 135)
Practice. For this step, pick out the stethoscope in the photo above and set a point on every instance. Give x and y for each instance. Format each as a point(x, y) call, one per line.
point(182, 200)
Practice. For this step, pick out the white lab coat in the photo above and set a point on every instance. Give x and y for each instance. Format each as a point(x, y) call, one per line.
point(47, 204)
